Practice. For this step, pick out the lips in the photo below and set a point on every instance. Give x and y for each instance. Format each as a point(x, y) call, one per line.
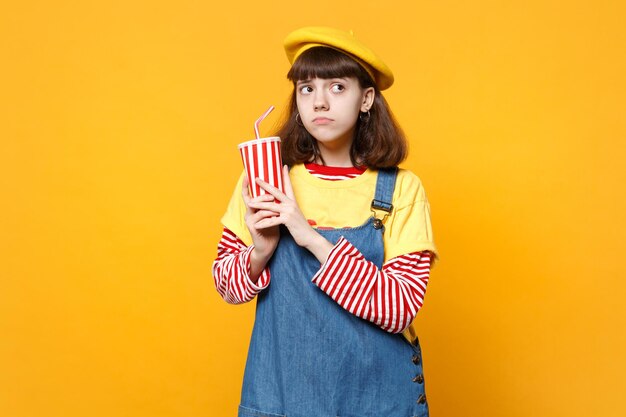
point(322, 120)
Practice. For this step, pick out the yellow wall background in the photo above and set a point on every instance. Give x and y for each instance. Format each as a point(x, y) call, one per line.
point(118, 130)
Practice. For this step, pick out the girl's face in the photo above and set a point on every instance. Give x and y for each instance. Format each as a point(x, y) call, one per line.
point(329, 108)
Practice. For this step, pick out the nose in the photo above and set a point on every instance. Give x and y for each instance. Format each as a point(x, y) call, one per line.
point(321, 102)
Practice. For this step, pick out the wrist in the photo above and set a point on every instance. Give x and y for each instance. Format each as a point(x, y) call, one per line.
point(320, 247)
point(256, 264)
point(259, 257)
point(312, 240)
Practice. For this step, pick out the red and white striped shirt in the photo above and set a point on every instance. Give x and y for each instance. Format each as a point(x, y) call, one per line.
point(389, 297)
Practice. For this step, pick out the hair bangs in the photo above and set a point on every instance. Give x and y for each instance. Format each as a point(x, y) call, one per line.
point(323, 62)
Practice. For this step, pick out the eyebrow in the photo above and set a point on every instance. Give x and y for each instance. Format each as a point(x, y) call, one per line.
point(308, 80)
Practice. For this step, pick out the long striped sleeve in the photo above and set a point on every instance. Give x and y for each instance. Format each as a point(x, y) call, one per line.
point(231, 270)
point(389, 297)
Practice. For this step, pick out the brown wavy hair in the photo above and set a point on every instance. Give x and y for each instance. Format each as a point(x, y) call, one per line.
point(379, 142)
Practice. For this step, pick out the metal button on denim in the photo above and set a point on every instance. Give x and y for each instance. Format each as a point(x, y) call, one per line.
point(419, 379)
point(421, 399)
point(416, 359)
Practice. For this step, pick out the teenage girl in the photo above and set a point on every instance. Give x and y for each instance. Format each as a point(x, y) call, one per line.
point(340, 266)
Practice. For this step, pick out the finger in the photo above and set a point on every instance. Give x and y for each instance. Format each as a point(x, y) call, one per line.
point(265, 206)
point(262, 214)
point(263, 198)
point(272, 190)
point(267, 223)
point(287, 183)
point(245, 193)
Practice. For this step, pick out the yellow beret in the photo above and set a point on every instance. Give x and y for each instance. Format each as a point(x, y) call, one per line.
point(305, 38)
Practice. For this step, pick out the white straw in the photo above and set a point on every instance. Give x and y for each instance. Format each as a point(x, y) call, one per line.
point(260, 119)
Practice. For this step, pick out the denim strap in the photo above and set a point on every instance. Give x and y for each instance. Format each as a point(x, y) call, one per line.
point(385, 184)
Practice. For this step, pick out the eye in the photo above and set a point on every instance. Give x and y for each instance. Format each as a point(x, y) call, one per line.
point(305, 89)
point(337, 88)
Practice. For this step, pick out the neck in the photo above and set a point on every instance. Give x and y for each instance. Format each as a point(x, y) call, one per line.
point(335, 154)
point(334, 160)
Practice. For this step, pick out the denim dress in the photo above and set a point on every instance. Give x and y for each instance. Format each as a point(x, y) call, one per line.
point(308, 357)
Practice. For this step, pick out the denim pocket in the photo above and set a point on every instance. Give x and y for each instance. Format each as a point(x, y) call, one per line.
point(251, 412)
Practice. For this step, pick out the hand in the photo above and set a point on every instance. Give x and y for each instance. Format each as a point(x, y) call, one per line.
point(264, 239)
point(291, 216)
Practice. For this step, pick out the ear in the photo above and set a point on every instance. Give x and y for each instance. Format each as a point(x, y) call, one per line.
point(368, 99)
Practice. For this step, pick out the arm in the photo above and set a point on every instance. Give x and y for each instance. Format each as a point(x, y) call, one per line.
point(231, 270)
point(239, 271)
point(389, 298)
point(289, 214)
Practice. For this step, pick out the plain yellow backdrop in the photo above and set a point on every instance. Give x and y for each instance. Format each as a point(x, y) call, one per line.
point(118, 130)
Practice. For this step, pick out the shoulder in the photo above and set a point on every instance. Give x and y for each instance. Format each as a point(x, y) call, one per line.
point(234, 217)
point(409, 189)
point(297, 169)
point(408, 228)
